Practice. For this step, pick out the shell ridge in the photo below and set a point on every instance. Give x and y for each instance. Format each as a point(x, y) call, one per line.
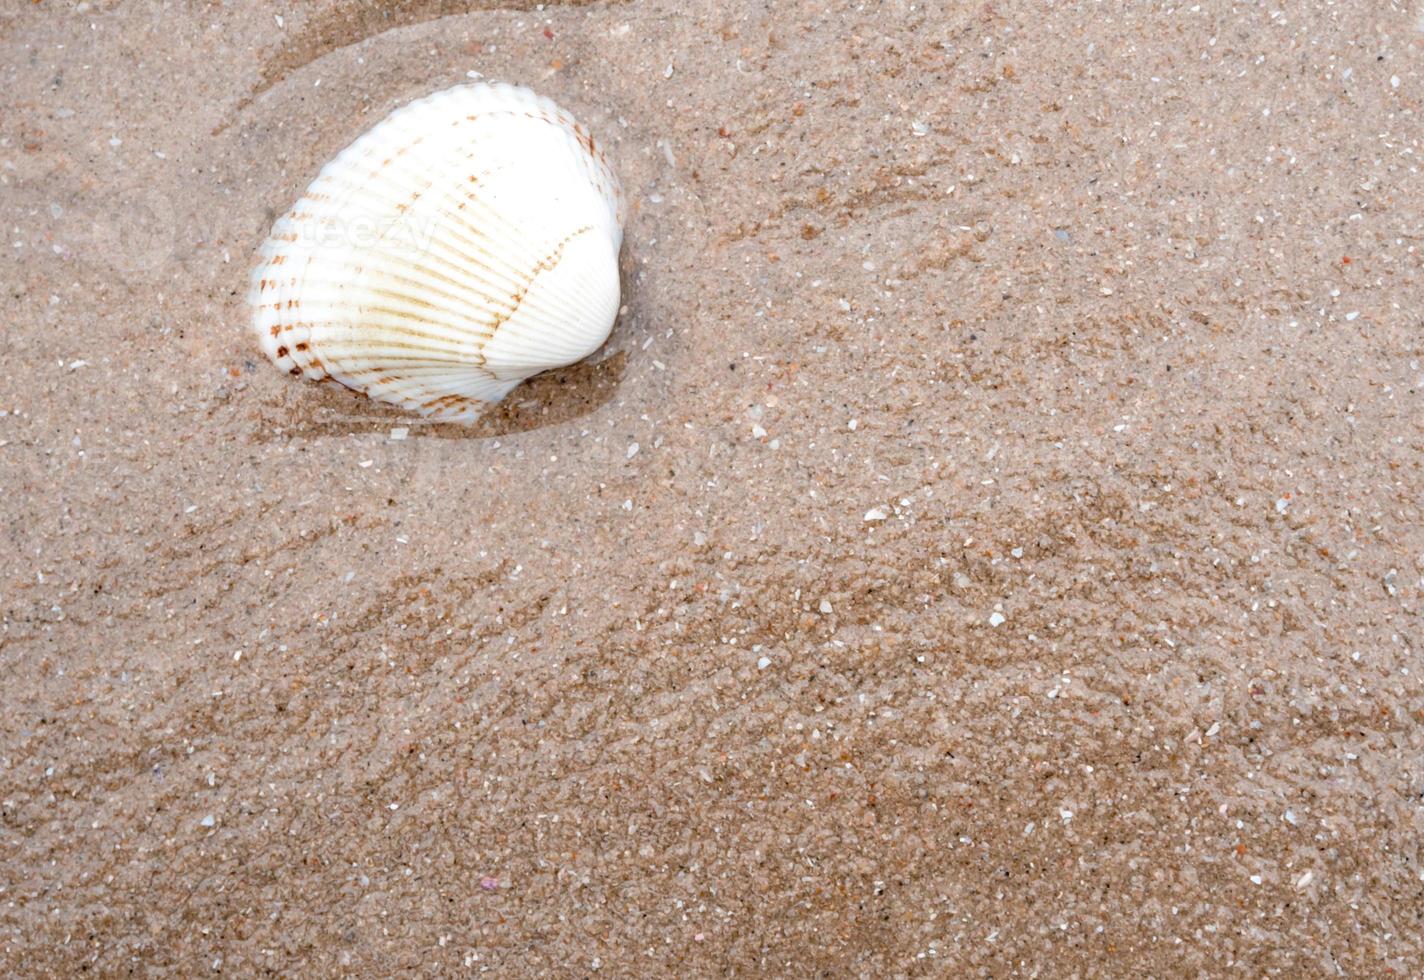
point(541, 266)
point(487, 258)
point(473, 198)
point(595, 166)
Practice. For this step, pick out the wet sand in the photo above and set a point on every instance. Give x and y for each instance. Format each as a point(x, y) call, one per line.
point(988, 544)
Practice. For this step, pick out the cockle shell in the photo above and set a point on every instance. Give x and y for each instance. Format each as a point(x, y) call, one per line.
point(466, 242)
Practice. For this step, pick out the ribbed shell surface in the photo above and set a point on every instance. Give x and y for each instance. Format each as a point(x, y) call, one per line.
point(467, 241)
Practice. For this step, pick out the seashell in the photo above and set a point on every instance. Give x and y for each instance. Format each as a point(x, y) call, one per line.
point(467, 241)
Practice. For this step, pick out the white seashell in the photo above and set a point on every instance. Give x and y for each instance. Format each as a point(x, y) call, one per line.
point(467, 241)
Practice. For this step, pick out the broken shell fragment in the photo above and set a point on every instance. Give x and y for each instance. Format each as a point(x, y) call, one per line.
point(466, 242)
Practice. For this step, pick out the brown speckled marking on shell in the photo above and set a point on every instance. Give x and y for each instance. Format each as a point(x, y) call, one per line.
point(544, 264)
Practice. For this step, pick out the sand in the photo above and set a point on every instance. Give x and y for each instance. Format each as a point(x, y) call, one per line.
point(988, 544)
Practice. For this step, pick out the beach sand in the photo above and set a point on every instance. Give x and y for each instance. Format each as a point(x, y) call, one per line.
point(989, 543)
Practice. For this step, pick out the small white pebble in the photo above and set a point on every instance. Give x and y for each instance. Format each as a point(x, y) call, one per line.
point(366, 463)
point(1304, 879)
point(758, 432)
point(876, 514)
point(763, 663)
point(632, 450)
point(1255, 879)
point(996, 618)
point(1066, 815)
point(826, 607)
point(853, 424)
point(399, 433)
point(208, 821)
point(1281, 505)
point(627, 505)
point(919, 128)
